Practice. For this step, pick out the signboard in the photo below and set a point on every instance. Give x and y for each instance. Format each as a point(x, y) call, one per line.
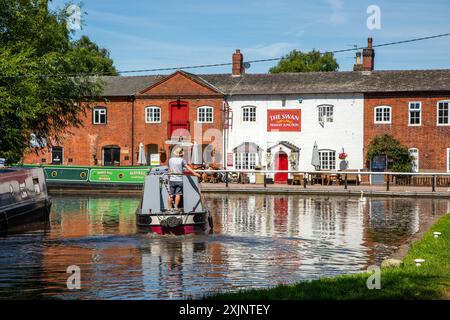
point(154, 159)
point(284, 120)
point(118, 175)
point(229, 159)
point(378, 164)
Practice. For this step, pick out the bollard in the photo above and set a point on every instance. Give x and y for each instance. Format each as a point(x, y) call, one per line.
point(345, 182)
point(265, 182)
point(387, 182)
point(433, 184)
point(226, 179)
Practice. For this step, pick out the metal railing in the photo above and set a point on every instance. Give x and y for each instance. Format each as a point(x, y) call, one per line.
point(344, 174)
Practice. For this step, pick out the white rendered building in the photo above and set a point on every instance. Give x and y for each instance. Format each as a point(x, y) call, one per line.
point(279, 132)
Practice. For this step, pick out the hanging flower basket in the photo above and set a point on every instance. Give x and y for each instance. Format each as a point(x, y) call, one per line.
point(343, 156)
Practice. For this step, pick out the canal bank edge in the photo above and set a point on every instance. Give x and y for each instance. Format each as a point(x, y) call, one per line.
point(136, 189)
point(129, 180)
point(430, 280)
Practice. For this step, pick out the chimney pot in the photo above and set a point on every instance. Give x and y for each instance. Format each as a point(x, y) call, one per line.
point(358, 65)
point(358, 58)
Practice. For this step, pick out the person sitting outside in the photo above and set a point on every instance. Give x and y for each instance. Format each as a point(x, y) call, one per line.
point(176, 168)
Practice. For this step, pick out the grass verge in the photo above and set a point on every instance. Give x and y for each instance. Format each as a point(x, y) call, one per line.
point(429, 281)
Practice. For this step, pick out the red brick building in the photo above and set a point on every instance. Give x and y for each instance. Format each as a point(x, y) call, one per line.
point(418, 119)
point(411, 105)
point(152, 110)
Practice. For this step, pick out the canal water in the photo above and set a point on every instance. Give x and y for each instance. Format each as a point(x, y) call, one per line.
point(258, 241)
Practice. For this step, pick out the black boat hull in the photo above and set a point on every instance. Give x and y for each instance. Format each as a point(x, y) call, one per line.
point(24, 213)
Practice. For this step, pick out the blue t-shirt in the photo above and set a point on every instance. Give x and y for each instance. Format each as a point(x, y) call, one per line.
point(177, 165)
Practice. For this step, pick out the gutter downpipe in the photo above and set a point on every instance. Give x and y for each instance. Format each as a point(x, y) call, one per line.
point(133, 98)
point(225, 106)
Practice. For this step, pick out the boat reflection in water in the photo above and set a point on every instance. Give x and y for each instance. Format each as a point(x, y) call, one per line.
point(258, 241)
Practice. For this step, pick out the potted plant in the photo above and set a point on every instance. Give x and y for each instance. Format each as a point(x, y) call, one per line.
point(344, 163)
point(342, 155)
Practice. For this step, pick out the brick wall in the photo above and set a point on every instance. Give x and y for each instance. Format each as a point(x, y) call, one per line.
point(84, 146)
point(81, 144)
point(157, 133)
point(431, 140)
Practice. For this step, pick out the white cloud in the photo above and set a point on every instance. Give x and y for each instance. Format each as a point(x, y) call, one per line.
point(270, 51)
point(336, 4)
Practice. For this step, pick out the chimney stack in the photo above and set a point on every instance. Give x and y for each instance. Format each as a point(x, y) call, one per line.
point(238, 64)
point(368, 61)
point(368, 56)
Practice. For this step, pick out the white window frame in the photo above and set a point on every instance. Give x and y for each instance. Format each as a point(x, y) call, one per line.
point(100, 111)
point(382, 115)
point(251, 111)
point(329, 166)
point(245, 160)
point(448, 159)
point(150, 112)
point(204, 110)
point(417, 159)
point(414, 110)
point(448, 114)
point(325, 113)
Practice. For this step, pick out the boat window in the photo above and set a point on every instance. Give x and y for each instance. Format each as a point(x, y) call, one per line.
point(23, 190)
point(37, 187)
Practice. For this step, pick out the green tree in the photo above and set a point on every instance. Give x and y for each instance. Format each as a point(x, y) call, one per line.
point(398, 156)
point(43, 86)
point(313, 61)
point(90, 58)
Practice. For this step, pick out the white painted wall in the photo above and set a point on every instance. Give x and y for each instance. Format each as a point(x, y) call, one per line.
point(346, 131)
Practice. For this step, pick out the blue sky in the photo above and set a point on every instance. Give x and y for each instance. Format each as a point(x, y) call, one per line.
point(145, 34)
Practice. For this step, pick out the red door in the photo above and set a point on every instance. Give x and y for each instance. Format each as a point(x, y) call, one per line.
point(281, 163)
point(179, 118)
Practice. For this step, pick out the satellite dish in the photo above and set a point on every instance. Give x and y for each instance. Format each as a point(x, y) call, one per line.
point(247, 65)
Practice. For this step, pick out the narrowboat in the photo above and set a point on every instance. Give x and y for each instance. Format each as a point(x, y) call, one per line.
point(153, 214)
point(23, 197)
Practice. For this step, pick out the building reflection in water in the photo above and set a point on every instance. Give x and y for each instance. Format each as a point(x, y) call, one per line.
point(258, 241)
point(78, 223)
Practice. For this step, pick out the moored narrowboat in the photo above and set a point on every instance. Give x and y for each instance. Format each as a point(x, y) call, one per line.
point(23, 197)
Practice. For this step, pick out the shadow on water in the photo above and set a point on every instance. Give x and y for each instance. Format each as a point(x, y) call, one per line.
point(258, 241)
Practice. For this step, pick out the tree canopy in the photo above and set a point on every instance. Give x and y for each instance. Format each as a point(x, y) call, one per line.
point(398, 156)
point(313, 61)
point(44, 84)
